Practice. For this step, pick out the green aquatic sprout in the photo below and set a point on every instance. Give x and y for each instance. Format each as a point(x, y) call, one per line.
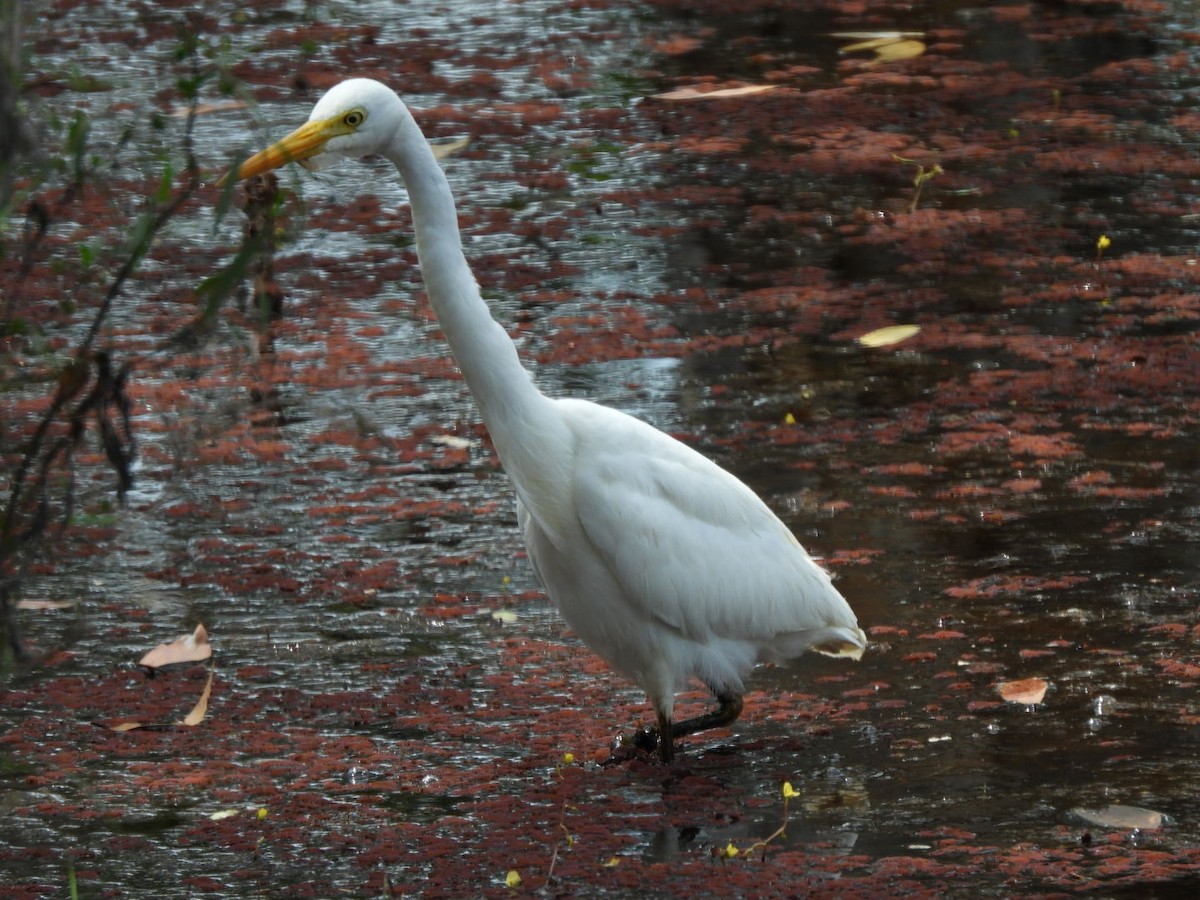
point(923, 175)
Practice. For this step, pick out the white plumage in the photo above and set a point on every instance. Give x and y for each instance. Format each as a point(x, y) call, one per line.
point(666, 565)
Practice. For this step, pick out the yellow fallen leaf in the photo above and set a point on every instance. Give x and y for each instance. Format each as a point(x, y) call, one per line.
point(872, 44)
point(126, 726)
point(1027, 691)
point(892, 334)
point(897, 50)
point(888, 46)
point(690, 93)
point(192, 647)
point(200, 710)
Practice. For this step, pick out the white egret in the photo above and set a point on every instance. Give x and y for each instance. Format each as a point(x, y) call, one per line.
point(666, 565)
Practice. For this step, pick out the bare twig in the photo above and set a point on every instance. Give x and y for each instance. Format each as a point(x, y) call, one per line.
point(90, 387)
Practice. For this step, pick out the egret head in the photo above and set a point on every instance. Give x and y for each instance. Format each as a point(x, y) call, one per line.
point(355, 118)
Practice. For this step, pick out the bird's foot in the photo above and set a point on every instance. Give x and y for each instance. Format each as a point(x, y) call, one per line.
point(641, 743)
point(646, 739)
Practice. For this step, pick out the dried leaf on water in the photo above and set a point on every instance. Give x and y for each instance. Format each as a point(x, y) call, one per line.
point(691, 93)
point(192, 647)
point(45, 604)
point(202, 109)
point(452, 440)
point(899, 50)
point(191, 720)
point(1132, 818)
point(1027, 691)
point(200, 710)
point(893, 51)
point(892, 334)
point(888, 46)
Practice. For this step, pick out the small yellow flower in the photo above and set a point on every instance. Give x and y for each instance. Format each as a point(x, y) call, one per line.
point(1103, 243)
point(788, 791)
point(512, 879)
point(730, 851)
point(789, 419)
point(612, 862)
point(568, 758)
point(262, 813)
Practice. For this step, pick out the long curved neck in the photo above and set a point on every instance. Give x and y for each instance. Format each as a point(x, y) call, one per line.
point(483, 350)
point(522, 421)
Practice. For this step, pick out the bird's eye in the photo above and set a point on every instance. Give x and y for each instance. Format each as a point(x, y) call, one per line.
point(354, 119)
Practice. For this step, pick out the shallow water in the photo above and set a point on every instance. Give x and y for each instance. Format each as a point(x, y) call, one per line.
point(1009, 496)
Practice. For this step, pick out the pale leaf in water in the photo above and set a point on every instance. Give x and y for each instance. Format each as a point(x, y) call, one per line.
point(191, 720)
point(45, 604)
point(200, 710)
point(690, 93)
point(224, 814)
point(202, 109)
point(449, 148)
point(504, 616)
point(192, 647)
point(1131, 818)
point(1027, 691)
point(892, 334)
point(452, 440)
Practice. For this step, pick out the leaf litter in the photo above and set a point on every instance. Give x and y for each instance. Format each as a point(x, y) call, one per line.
point(192, 647)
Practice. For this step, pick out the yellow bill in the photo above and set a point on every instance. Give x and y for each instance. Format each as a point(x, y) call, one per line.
point(305, 142)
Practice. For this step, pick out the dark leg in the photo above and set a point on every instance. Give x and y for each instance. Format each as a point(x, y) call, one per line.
point(650, 739)
point(725, 714)
point(666, 739)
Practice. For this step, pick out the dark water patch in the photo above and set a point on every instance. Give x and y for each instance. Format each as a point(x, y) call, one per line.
point(420, 807)
point(1105, 40)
